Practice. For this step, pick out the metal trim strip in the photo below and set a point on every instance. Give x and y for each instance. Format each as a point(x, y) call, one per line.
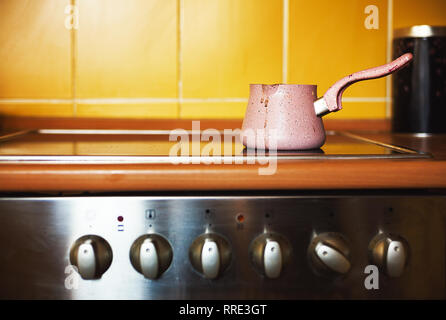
point(420, 31)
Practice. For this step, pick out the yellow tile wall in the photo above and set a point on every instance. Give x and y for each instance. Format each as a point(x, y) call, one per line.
point(62, 110)
point(191, 58)
point(229, 44)
point(34, 49)
point(408, 13)
point(140, 110)
point(339, 45)
point(128, 51)
point(221, 110)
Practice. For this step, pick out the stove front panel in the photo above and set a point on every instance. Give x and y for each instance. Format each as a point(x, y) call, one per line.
point(310, 247)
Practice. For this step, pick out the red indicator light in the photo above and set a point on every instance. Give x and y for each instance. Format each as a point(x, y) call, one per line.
point(240, 218)
point(120, 218)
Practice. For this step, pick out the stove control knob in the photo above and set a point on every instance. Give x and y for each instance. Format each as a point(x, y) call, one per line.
point(329, 254)
point(210, 254)
point(269, 253)
point(210, 259)
point(390, 253)
point(272, 259)
point(151, 255)
point(92, 256)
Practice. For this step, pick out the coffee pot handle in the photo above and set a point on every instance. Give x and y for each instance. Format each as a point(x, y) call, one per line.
point(332, 99)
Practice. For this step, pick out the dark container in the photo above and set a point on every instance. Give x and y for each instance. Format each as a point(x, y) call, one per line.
point(419, 90)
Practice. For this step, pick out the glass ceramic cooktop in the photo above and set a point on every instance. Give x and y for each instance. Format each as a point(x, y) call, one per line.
point(156, 146)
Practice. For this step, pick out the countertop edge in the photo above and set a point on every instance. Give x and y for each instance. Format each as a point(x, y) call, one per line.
point(324, 174)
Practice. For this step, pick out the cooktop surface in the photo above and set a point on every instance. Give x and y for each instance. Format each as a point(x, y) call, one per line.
point(163, 146)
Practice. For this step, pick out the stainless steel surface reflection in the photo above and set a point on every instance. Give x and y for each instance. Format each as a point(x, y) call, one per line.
point(39, 232)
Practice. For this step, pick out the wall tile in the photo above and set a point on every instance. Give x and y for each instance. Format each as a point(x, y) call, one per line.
point(37, 110)
point(414, 12)
point(167, 110)
point(34, 49)
point(228, 44)
point(213, 110)
point(127, 48)
point(356, 110)
point(328, 40)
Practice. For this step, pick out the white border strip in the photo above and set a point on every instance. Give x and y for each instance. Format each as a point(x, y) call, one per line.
point(36, 101)
point(145, 100)
point(285, 39)
point(365, 99)
point(148, 100)
point(107, 132)
point(206, 100)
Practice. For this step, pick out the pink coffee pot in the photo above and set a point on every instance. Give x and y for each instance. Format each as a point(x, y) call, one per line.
point(289, 116)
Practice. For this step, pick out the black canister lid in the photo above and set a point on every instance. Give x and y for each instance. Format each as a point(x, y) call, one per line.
point(421, 31)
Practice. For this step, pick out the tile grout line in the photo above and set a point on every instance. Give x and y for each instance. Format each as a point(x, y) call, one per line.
point(180, 19)
point(73, 45)
point(389, 55)
point(285, 40)
point(149, 100)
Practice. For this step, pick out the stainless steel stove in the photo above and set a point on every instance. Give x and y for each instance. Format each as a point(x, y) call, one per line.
point(220, 245)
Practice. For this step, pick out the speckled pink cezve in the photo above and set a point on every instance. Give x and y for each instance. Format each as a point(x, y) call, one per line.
point(289, 116)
